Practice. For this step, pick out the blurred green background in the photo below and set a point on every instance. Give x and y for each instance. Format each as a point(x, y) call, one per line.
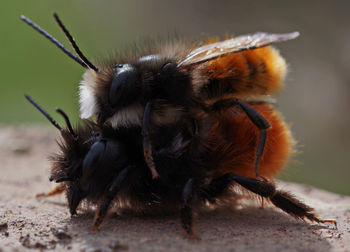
point(316, 99)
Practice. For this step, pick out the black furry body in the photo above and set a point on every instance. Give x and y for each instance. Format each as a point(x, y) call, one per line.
point(88, 171)
point(93, 174)
point(150, 146)
point(105, 165)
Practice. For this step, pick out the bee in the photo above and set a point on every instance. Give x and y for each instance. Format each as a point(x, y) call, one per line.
point(168, 91)
point(199, 119)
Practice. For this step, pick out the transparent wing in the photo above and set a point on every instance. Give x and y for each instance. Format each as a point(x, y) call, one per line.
point(237, 44)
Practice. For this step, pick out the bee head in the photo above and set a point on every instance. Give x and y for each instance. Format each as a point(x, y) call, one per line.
point(125, 86)
point(115, 89)
point(118, 93)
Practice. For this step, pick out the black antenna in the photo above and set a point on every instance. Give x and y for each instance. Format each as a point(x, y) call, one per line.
point(72, 41)
point(69, 125)
point(53, 40)
point(54, 123)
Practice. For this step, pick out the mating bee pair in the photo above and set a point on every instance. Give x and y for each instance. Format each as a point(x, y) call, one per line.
point(176, 126)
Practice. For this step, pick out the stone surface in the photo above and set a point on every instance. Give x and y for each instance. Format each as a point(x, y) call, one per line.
point(27, 223)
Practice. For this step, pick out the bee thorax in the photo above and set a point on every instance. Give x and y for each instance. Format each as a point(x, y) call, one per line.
point(87, 98)
point(129, 116)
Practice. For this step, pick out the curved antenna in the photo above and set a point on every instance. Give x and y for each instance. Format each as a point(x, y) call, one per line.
point(72, 41)
point(52, 121)
point(66, 118)
point(53, 40)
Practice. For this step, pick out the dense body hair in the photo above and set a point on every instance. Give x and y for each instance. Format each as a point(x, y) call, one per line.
point(87, 170)
point(210, 157)
point(248, 73)
point(218, 159)
point(175, 125)
point(233, 143)
point(203, 127)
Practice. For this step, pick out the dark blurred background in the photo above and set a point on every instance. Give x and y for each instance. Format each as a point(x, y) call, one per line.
point(316, 99)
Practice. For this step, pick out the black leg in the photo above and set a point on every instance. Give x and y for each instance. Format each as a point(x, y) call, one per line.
point(259, 152)
point(92, 158)
point(256, 118)
point(186, 209)
point(281, 199)
point(111, 193)
point(75, 194)
point(263, 125)
point(216, 188)
point(147, 144)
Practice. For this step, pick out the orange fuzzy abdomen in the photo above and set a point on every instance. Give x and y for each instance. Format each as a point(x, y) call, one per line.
point(234, 143)
point(248, 73)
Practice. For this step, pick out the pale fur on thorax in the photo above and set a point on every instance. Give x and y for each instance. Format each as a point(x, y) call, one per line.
point(87, 98)
point(130, 116)
point(133, 115)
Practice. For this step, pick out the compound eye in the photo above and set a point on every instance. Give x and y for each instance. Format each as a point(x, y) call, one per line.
point(124, 84)
point(169, 67)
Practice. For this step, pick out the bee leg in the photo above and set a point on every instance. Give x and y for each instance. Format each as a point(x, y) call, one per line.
point(186, 210)
point(92, 157)
point(60, 188)
point(281, 199)
point(254, 116)
point(262, 125)
point(75, 194)
point(111, 193)
point(216, 188)
point(147, 144)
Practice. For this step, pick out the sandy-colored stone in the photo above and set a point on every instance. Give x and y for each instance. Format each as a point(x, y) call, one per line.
point(27, 223)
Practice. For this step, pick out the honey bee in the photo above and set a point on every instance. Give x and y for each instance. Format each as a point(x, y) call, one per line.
point(199, 119)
